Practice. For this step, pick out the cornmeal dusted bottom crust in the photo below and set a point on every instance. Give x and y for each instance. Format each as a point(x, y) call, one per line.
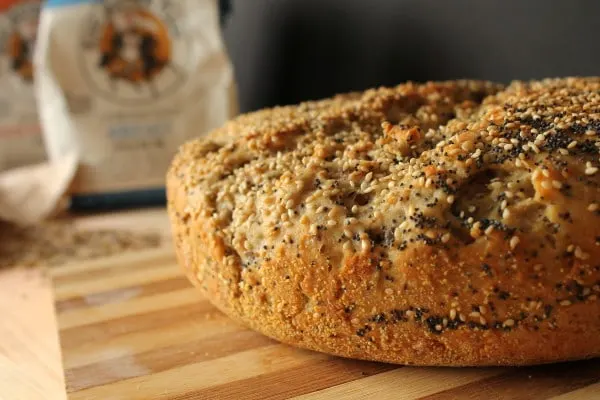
point(452, 223)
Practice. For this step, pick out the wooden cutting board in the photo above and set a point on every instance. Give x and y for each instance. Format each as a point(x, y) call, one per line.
point(132, 327)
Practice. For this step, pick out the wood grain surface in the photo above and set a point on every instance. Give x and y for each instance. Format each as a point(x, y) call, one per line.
point(132, 327)
point(29, 353)
point(30, 360)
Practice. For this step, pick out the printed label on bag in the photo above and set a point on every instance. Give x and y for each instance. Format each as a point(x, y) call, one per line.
point(127, 51)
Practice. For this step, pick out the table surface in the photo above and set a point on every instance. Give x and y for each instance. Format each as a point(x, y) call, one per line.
point(133, 328)
point(30, 366)
point(30, 362)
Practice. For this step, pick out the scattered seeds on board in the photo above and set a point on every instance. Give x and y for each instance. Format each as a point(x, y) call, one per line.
point(57, 243)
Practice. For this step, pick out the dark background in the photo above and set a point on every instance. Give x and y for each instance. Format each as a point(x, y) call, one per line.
point(286, 51)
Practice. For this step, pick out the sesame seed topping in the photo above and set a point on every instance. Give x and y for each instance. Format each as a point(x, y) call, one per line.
point(591, 170)
point(509, 323)
point(467, 145)
point(514, 241)
point(445, 238)
point(581, 254)
point(365, 245)
point(546, 185)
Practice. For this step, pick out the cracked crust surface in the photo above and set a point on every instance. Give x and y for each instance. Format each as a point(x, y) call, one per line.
point(450, 223)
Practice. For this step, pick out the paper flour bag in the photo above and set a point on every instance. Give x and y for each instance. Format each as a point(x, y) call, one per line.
point(20, 138)
point(123, 83)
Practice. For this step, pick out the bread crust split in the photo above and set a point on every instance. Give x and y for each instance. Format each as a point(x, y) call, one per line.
point(449, 223)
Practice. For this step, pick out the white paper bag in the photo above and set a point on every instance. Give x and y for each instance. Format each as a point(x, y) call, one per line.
point(123, 83)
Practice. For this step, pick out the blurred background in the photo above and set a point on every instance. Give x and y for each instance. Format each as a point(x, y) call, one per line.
point(286, 51)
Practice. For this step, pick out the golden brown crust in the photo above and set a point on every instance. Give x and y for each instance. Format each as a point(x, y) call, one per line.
point(452, 223)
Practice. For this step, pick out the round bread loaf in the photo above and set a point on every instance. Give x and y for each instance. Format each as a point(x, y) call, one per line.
point(453, 223)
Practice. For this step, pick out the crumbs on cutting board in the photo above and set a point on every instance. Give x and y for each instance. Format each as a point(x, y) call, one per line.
point(59, 242)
